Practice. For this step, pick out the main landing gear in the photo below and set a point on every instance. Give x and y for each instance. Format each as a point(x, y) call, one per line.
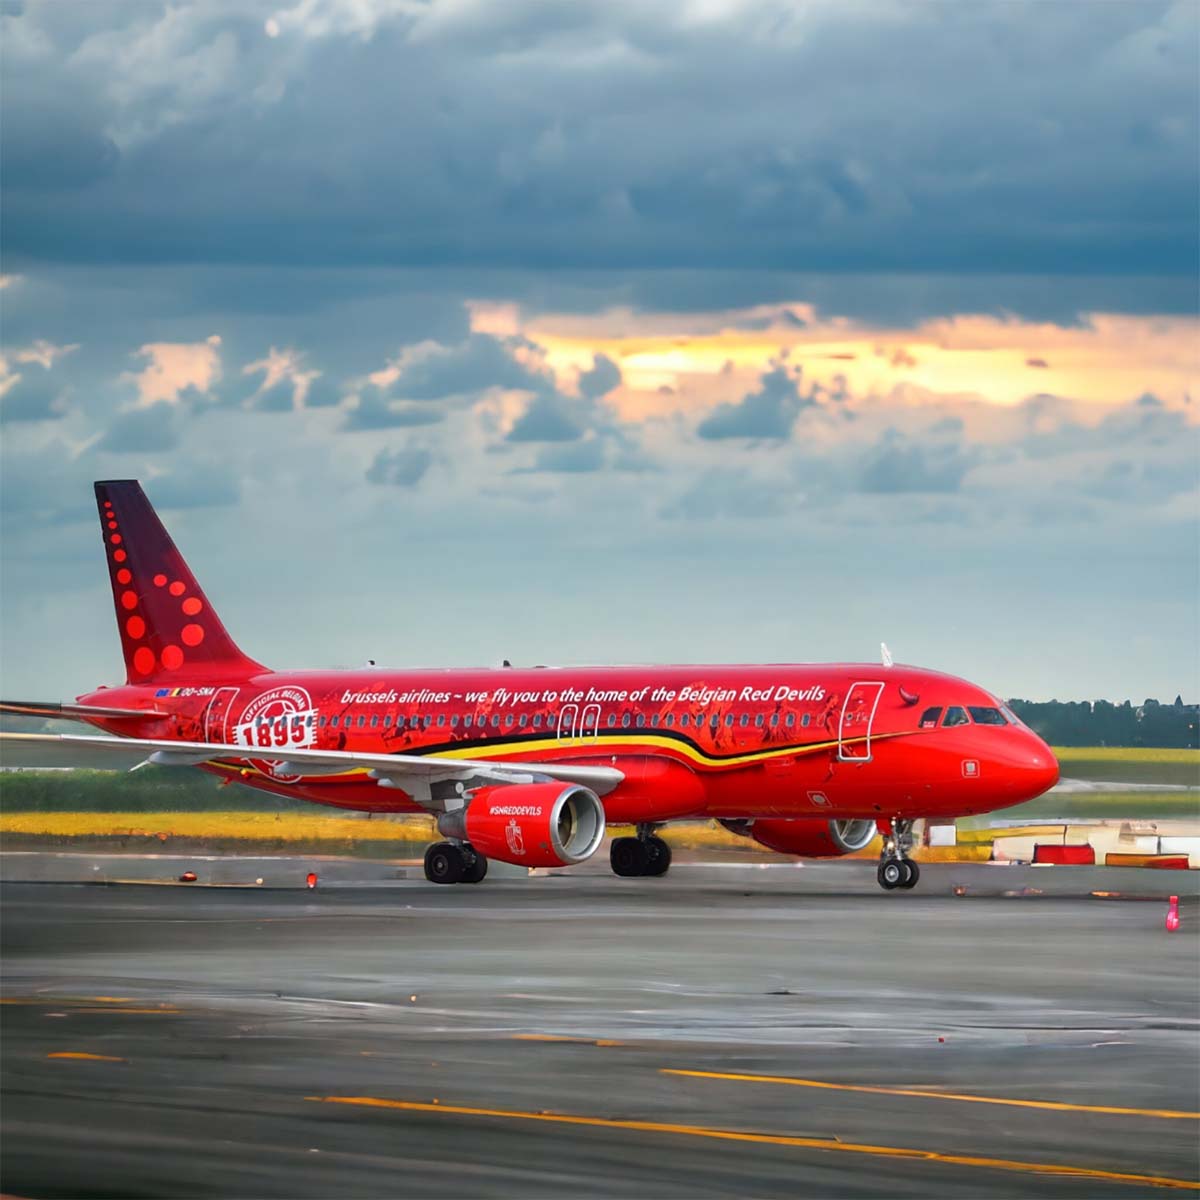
point(896, 869)
point(454, 862)
point(645, 854)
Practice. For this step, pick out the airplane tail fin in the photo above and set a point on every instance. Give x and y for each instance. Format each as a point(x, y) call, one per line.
point(169, 630)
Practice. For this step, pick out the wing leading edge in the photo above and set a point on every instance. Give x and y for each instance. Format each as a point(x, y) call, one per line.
point(411, 773)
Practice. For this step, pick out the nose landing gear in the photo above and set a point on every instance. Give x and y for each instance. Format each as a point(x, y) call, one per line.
point(896, 869)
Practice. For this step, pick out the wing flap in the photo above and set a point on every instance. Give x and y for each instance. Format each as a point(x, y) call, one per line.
point(410, 772)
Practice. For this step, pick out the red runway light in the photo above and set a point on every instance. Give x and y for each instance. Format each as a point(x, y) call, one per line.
point(188, 877)
point(1173, 915)
point(311, 880)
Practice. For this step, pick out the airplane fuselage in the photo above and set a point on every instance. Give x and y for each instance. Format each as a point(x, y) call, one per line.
point(833, 741)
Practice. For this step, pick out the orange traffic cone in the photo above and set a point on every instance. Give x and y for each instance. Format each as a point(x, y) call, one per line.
point(1173, 915)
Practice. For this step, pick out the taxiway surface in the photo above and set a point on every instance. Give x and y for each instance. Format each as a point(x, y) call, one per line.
point(585, 1035)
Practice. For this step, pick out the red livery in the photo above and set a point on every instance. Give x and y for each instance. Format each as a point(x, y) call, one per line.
point(527, 765)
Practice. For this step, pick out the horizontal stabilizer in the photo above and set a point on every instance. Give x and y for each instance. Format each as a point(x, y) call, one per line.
point(72, 712)
point(412, 773)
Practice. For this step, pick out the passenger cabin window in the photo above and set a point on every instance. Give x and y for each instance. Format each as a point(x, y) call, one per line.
point(805, 720)
point(791, 720)
point(774, 720)
point(612, 720)
point(955, 716)
point(745, 720)
point(468, 720)
point(362, 720)
point(537, 720)
point(986, 716)
point(758, 721)
point(929, 718)
point(624, 720)
point(322, 722)
point(454, 721)
point(683, 720)
point(441, 720)
point(668, 720)
point(641, 720)
point(375, 722)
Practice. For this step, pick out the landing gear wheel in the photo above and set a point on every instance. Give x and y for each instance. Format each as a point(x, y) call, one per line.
point(628, 857)
point(913, 874)
point(891, 874)
point(477, 870)
point(658, 856)
point(445, 863)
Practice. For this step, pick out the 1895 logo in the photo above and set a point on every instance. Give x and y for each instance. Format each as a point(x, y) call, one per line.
point(280, 719)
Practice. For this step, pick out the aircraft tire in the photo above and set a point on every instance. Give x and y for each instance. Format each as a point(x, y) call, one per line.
point(891, 874)
point(658, 855)
point(627, 856)
point(912, 874)
point(444, 863)
point(477, 870)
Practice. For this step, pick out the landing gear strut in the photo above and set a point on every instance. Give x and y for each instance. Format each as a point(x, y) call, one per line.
point(896, 869)
point(645, 854)
point(454, 862)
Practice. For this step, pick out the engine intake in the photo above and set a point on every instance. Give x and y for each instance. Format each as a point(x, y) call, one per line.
point(808, 837)
point(530, 824)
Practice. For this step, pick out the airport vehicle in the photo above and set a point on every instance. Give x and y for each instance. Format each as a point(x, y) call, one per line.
point(528, 765)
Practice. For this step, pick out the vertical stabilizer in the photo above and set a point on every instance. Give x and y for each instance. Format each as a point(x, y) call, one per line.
point(169, 630)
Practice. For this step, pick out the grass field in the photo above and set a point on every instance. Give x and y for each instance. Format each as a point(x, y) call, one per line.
point(1130, 764)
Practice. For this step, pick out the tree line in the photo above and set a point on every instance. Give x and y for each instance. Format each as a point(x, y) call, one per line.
point(1102, 723)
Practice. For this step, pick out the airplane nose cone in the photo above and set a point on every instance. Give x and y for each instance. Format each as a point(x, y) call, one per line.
point(1042, 771)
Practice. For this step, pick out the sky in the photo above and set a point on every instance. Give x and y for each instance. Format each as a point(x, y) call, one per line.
point(444, 332)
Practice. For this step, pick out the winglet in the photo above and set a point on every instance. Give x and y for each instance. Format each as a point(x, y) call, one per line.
point(886, 654)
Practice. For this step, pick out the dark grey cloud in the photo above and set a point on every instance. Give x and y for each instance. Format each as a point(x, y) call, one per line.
point(376, 411)
point(36, 396)
point(142, 430)
point(898, 465)
point(405, 467)
point(572, 458)
point(770, 412)
point(604, 136)
point(274, 399)
point(476, 364)
point(600, 378)
point(322, 393)
point(548, 418)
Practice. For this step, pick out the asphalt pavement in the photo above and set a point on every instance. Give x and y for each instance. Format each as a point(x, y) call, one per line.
point(725, 1031)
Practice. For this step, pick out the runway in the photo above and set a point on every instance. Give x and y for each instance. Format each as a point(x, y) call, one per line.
point(720, 1032)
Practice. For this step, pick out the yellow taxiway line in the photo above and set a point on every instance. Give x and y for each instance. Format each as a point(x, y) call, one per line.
point(1165, 1114)
point(769, 1139)
point(84, 1055)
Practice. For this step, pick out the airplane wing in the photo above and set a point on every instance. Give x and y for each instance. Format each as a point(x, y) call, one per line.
point(71, 712)
point(411, 773)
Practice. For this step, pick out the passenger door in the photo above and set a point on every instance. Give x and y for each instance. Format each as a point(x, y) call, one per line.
point(854, 726)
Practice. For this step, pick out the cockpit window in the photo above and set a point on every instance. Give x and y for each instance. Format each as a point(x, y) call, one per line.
point(955, 716)
point(987, 716)
point(929, 718)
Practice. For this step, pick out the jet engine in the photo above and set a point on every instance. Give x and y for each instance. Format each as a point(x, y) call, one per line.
point(551, 824)
point(807, 837)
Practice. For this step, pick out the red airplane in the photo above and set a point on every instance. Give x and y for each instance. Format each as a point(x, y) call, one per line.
point(526, 766)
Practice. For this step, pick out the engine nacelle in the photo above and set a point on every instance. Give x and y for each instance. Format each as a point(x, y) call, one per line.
point(530, 824)
point(810, 837)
